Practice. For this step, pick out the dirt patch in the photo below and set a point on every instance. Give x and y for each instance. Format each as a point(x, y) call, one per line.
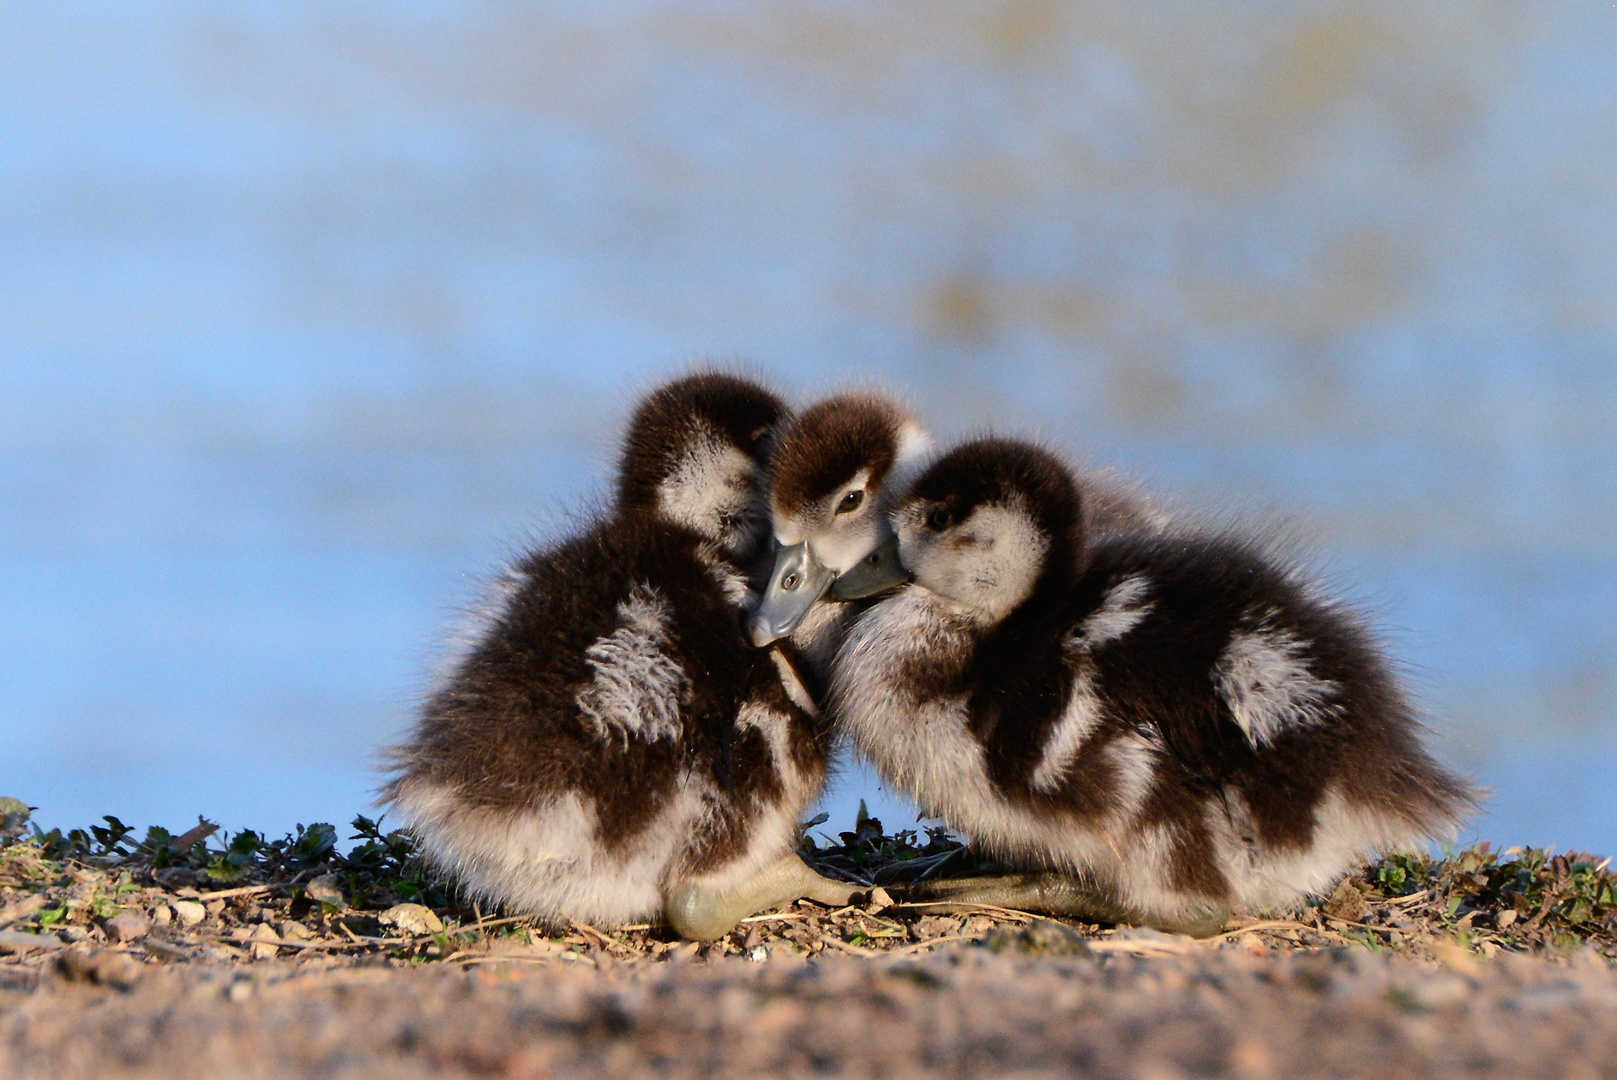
point(203, 955)
point(966, 1011)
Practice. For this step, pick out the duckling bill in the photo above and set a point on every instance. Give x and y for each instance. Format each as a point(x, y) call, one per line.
point(610, 748)
point(1159, 726)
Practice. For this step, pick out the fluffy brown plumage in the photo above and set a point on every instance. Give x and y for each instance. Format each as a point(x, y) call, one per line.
point(610, 748)
point(1181, 720)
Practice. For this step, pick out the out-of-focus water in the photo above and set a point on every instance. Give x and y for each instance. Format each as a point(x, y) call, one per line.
point(310, 312)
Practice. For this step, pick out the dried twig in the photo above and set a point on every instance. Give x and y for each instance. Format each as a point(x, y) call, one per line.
point(928, 944)
point(189, 893)
point(959, 907)
point(1271, 924)
point(837, 943)
point(193, 836)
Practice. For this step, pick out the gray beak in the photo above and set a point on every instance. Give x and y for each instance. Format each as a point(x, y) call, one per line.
point(798, 580)
point(876, 573)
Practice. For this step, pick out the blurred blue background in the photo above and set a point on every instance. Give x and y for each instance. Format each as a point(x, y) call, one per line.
point(311, 312)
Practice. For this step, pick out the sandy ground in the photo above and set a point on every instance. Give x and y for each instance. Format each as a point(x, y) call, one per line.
point(1146, 1007)
point(166, 959)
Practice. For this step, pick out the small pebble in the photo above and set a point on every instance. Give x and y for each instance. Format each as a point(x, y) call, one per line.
point(263, 940)
point(175, 877)
point(324, 890)
point(1347, 903)
point(1047, 936)
point(412, 919)
point(162, 915)
point(127, 926)
point(188, 912)
point(683, 953)
point(1039, 936)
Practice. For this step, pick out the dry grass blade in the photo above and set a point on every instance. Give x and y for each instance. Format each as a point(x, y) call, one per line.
point(486, 924)
point(931, 943)
point(843, 946)
point(956, 907)
point(1270, 924)
point(590, 932)
point(245, 890)
point(194, 835)
point(469, 961)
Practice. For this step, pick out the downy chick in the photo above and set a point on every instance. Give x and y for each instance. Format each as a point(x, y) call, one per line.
point(838, 471)
point(610, 748)
point(1160, 727)
point(832, 480)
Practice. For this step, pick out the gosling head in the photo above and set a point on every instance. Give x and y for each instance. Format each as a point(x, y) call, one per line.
point(989, 524)
point(834, 475)
point(695, 453)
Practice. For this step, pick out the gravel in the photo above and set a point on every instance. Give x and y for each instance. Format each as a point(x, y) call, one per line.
point(964, 1011)
point(297, 960)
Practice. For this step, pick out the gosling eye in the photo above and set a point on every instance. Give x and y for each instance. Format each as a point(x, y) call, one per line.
point(851, 502)
point(939, 519)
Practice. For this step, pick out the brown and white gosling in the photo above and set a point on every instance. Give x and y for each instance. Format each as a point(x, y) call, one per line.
point(834, 477)
point(610, 748)
point(1159, 727)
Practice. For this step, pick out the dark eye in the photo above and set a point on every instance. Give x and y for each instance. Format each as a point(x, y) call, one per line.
point(939, 519)
point(851, 502)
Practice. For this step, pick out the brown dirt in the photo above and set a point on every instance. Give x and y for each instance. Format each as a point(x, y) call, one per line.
point(300, 962)
point(1145, 1007)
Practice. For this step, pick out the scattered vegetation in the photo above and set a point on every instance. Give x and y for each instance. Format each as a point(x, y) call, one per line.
point(207, 895)
point(1520, 899)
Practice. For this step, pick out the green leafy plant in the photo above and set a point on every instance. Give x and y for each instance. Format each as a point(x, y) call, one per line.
point(237, 859)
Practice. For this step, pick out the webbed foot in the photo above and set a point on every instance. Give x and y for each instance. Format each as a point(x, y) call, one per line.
point(1065, 894)
point(702, 912)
